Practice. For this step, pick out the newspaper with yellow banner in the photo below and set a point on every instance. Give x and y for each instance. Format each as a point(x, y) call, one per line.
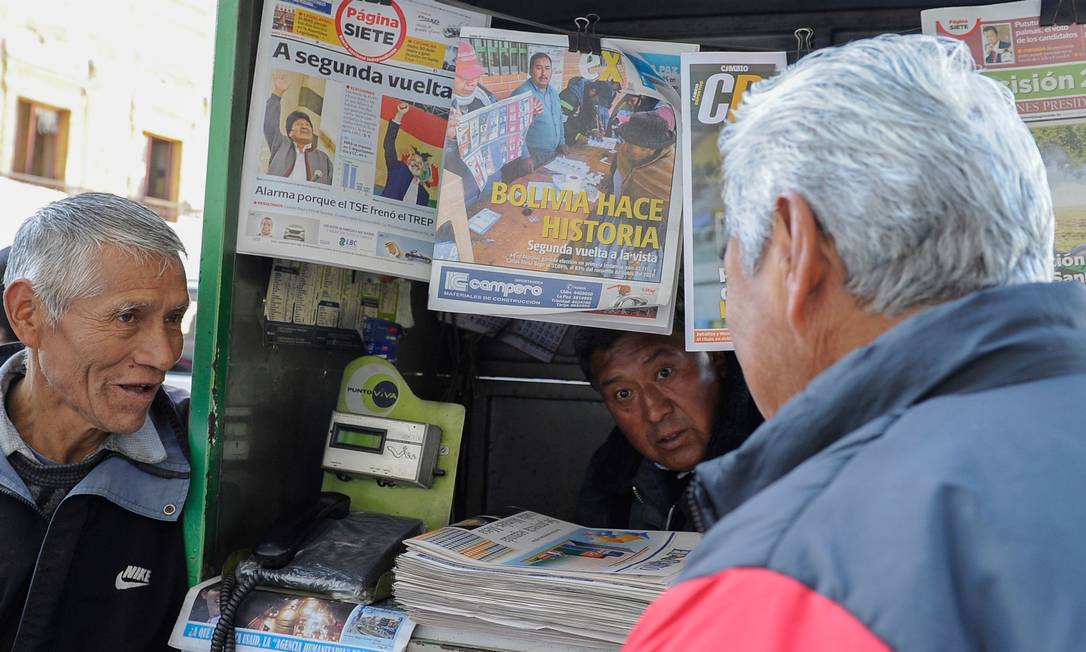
point(1044, 68)
point(347, 121)
point(561, 189)
point(713, 84)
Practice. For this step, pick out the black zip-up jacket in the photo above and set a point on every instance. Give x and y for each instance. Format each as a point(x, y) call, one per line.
point(622, 489)
point(107, 572)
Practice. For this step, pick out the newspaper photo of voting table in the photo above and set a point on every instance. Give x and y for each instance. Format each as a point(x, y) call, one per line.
point(560, 194)
point(346, 131)
point(713, 84)
point(1044, 68)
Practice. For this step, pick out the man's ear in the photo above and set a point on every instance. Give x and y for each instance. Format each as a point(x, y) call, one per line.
point(809, 265)
point(25, 312)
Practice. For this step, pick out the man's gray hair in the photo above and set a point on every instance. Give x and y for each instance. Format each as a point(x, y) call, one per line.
point(916, 165)
point(57, 248)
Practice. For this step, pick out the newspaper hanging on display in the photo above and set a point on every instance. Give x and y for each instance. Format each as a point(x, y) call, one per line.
point(560, 198)
point(713, 84)
point(1045, 69)
point(346, 129)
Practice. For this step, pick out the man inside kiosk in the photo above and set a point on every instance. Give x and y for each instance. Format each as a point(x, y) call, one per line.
point(673, 409)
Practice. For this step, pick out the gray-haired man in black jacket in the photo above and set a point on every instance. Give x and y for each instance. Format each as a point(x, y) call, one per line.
point(93, 471)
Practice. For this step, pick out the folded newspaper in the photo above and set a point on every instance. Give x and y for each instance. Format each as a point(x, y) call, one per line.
point(537, 577)
point(272, 620)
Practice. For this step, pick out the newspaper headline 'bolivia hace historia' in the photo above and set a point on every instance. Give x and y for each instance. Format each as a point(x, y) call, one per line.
point(346, 128)
point(560, 190)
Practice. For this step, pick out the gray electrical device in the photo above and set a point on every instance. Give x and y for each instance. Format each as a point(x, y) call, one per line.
point(383, 448)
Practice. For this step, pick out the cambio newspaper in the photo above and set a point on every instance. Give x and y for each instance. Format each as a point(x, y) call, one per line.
point(547, 209)
point(713, 84)
point(1045, 69)
point(346, 127)
point(540, 577)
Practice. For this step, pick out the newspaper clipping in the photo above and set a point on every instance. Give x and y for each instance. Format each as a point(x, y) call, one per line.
point(346, 129)
point(1044, 68)
point(560, 191)
point(713, 86)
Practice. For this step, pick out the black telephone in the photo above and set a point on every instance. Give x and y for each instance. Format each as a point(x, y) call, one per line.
point(321, 548)
point(276, 551)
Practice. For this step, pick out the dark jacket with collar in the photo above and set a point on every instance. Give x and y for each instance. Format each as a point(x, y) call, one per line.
point(283, 155)
point(622, 489)
point(107, 572)
point(399, 176)
point(924, 493)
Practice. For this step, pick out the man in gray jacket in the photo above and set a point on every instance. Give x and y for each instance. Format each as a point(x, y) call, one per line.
point(918, 483)
point(295, 154)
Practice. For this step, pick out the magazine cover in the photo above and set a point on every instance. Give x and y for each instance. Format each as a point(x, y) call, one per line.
point(346, 129)
point(1044, 67)
point(713, 84)
point(560, 190)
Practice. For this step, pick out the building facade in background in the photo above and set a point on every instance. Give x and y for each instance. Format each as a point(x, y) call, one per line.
point(112, 96)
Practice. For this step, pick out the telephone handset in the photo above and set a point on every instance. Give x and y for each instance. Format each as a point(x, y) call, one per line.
point(276, 551)
point(322, 549)
point(287, 535)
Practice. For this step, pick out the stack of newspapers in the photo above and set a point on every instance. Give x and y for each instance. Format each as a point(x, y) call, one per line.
point(534, 577)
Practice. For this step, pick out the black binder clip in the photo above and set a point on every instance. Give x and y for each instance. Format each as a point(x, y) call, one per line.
point(585, 40)
point(803, 41)
point(380, 2)
point(575, 37)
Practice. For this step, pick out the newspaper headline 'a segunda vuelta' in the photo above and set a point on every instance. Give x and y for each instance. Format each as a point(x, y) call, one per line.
point(326, 66)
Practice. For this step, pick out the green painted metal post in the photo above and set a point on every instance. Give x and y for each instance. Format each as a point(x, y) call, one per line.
point(235, 45)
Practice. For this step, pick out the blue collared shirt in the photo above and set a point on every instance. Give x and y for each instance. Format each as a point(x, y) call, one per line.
point(117, 478)
point(545, 134)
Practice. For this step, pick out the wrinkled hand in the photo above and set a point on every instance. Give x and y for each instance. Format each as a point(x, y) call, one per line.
point(280, 82)
point(454, 120)
point(537, 107)
point(401, 110)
